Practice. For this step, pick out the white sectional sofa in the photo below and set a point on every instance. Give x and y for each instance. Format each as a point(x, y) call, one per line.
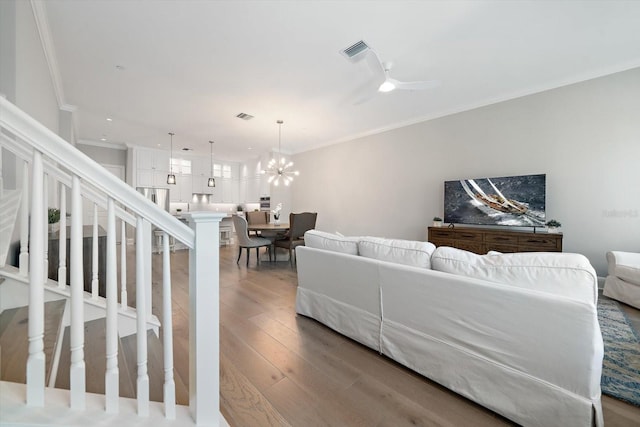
point(516, 333)
point(623, 280)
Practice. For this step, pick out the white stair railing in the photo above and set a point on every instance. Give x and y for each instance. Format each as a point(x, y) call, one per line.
point(111, 380)
point(24, 221)
point(77, 374)
point(62, 247)
point(45, 156)
point(123, 265)
point(167, 335)
point(35, 360)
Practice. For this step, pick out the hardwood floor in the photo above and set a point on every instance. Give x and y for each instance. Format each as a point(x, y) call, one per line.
point(281, 369)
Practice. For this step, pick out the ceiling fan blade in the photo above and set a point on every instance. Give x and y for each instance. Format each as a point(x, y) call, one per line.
point(375, 64)
point(429, 84)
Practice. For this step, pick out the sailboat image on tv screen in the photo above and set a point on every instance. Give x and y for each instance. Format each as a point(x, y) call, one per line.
point(502, 209)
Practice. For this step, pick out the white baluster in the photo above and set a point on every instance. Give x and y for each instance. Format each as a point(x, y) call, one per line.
point(24, 221)
point(62, 251)
point(77, 374)
point(94, 254)
point(36, 358)
point(123, 265)
point(111, 379)
point(45, 198)
point(142, 246)
point(167, 332)
point(204, 316)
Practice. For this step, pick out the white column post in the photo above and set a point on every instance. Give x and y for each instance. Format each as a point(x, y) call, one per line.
point(204, 318)
point(77, 374)
point(111, 380)
point(24, 221)
point(36, 358)
point(62, 251)
point(167, 332)
point(123, 265)
point(142, 248)
point(94, 254)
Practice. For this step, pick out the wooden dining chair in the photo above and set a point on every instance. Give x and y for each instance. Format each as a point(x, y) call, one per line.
point(299, 223)
point(256, 217)
point(244, 241)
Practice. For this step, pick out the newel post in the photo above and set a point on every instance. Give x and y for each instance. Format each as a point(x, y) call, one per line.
point(204, 318)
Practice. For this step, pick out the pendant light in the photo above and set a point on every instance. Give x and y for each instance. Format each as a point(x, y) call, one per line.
point(171, 178)
point(212, 181)
point(277, 168)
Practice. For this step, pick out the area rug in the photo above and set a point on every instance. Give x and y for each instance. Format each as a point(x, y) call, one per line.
point(621, 364)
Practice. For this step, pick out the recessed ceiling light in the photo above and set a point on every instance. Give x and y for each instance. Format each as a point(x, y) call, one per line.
point(250, 148)
point(103, 139)
point(109, 119)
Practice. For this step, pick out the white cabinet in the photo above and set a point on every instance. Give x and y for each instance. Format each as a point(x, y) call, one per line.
point(192, 175)
point(201, 175)
point(152, 168)
point(181, 191)
point(252, 189)
point(230, 190)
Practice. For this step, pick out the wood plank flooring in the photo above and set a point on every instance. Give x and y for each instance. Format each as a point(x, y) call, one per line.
point(14, 340)
point(280, 369)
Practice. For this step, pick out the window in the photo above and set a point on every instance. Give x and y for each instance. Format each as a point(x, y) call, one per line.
point(181, 166)
point(221, 171)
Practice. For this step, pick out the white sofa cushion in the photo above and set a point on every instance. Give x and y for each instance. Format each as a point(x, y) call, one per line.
point(407, 252)
point(565, 274)
point(331, 242)
point(625, 266)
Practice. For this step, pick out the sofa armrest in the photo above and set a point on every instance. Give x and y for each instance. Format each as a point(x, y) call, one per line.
point(625, 266)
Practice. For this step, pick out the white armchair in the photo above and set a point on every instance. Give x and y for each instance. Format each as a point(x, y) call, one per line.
point(623, 281)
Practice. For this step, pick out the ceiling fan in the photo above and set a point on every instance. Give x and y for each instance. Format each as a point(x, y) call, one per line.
point(382, 80)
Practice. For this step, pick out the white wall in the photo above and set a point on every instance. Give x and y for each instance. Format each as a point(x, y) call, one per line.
point(34, 89)
point(585, 137)
point(26, 81)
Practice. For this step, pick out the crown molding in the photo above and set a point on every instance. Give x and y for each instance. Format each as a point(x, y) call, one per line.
point(42, 23)
point(102, 144)
point(69, 108)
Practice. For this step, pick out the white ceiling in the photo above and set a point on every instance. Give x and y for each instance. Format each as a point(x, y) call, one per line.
point(191, 66)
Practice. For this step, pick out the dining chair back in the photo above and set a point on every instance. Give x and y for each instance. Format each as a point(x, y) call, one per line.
point(244, 241)
point(299, 223)
point(256, 217)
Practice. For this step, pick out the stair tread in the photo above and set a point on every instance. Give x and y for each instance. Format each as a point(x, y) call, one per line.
point(14, 339)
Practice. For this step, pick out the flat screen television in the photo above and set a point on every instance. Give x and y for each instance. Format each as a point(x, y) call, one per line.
point(507, 200)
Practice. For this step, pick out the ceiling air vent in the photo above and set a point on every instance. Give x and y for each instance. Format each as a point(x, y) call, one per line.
point(244, 116)
point(355, 49)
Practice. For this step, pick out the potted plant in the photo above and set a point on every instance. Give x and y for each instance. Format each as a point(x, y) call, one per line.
point(553, 226)
point(276, 214)
point(437, 221)
point(54, 219)
point(239, 208)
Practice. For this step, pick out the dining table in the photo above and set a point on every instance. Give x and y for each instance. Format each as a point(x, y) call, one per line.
point(270, 228)
point(270, 231)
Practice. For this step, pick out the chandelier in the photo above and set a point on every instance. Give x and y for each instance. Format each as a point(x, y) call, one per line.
point(278, 168)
